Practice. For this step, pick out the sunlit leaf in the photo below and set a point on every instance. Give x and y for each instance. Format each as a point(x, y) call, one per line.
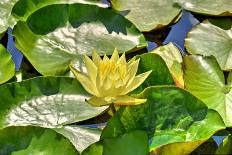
point(208, 7)
point(91, 28)
point(170, 115)
point(81, 137)
point(173, 58)
point(6, 19)
point(208, 39)
point(7, 66)
point(148, 14)
point(45, 101)
point(204, 79)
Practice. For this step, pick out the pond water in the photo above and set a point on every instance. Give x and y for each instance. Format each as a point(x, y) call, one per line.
point(176, 35)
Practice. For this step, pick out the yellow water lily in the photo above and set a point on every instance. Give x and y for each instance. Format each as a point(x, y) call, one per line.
point(109, 80)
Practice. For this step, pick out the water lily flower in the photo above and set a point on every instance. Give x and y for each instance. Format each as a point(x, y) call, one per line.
point(109, 80)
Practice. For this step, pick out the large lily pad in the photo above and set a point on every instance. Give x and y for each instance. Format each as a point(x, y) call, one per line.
point(45, 101)
point(204, 79)
point(208, 7)
point(24, 8)
point(133, 143)
point(208, 39)
point(148, 15)
point(34, 141)
point(7, 66)
point(6, 20)
point(173, 58)
point(170, 115)
point(91, 28)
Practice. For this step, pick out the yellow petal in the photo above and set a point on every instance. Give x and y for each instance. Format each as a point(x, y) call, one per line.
point(91, 68)
point(97, 101)
point(115, 56)
point(122, 59)
point(128, 100)
point(132, 69)
point(131, 60)
point(84, 80)
point(96, 58)
point(138, 80)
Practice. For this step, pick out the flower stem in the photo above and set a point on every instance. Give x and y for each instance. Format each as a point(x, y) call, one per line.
point(112, 108)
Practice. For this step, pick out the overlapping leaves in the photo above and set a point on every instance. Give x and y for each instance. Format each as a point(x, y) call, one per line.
point(170, 115)
point(148, 15)
point(204, 79)
point(212, 38)
point(91, 28)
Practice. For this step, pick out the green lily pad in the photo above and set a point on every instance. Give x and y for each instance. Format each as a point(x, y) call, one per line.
point(132, 143)
point(226, 146)
point(179, 148)
point(24, 8)
point(208, 39)
point(208, 7)
point(192, 148)
point(170, 115)
point(45, 101)
point(160, 74)
point(148, 15)
point(6, 19)
point(81, 137)
point(91, 28)
point(34, 141)
point(7, 66)
point(173, 58)
point(204, 79)
point(94, 149)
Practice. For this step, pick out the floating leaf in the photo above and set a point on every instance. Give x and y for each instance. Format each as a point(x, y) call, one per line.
point(204, 79)
point(81, 137)
point(160, 74)
point(7, 66)
point(133, 143)
point(148, 14)
point(45, 101)
point(173, 58)
point(208, 39)
point(192, 148)
point(179, 148)
point(208, 7)
point(33, 141)
point(94, 149)
point(6, 19)
point(24, 8)
point(170, 115)
point(92, 28)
